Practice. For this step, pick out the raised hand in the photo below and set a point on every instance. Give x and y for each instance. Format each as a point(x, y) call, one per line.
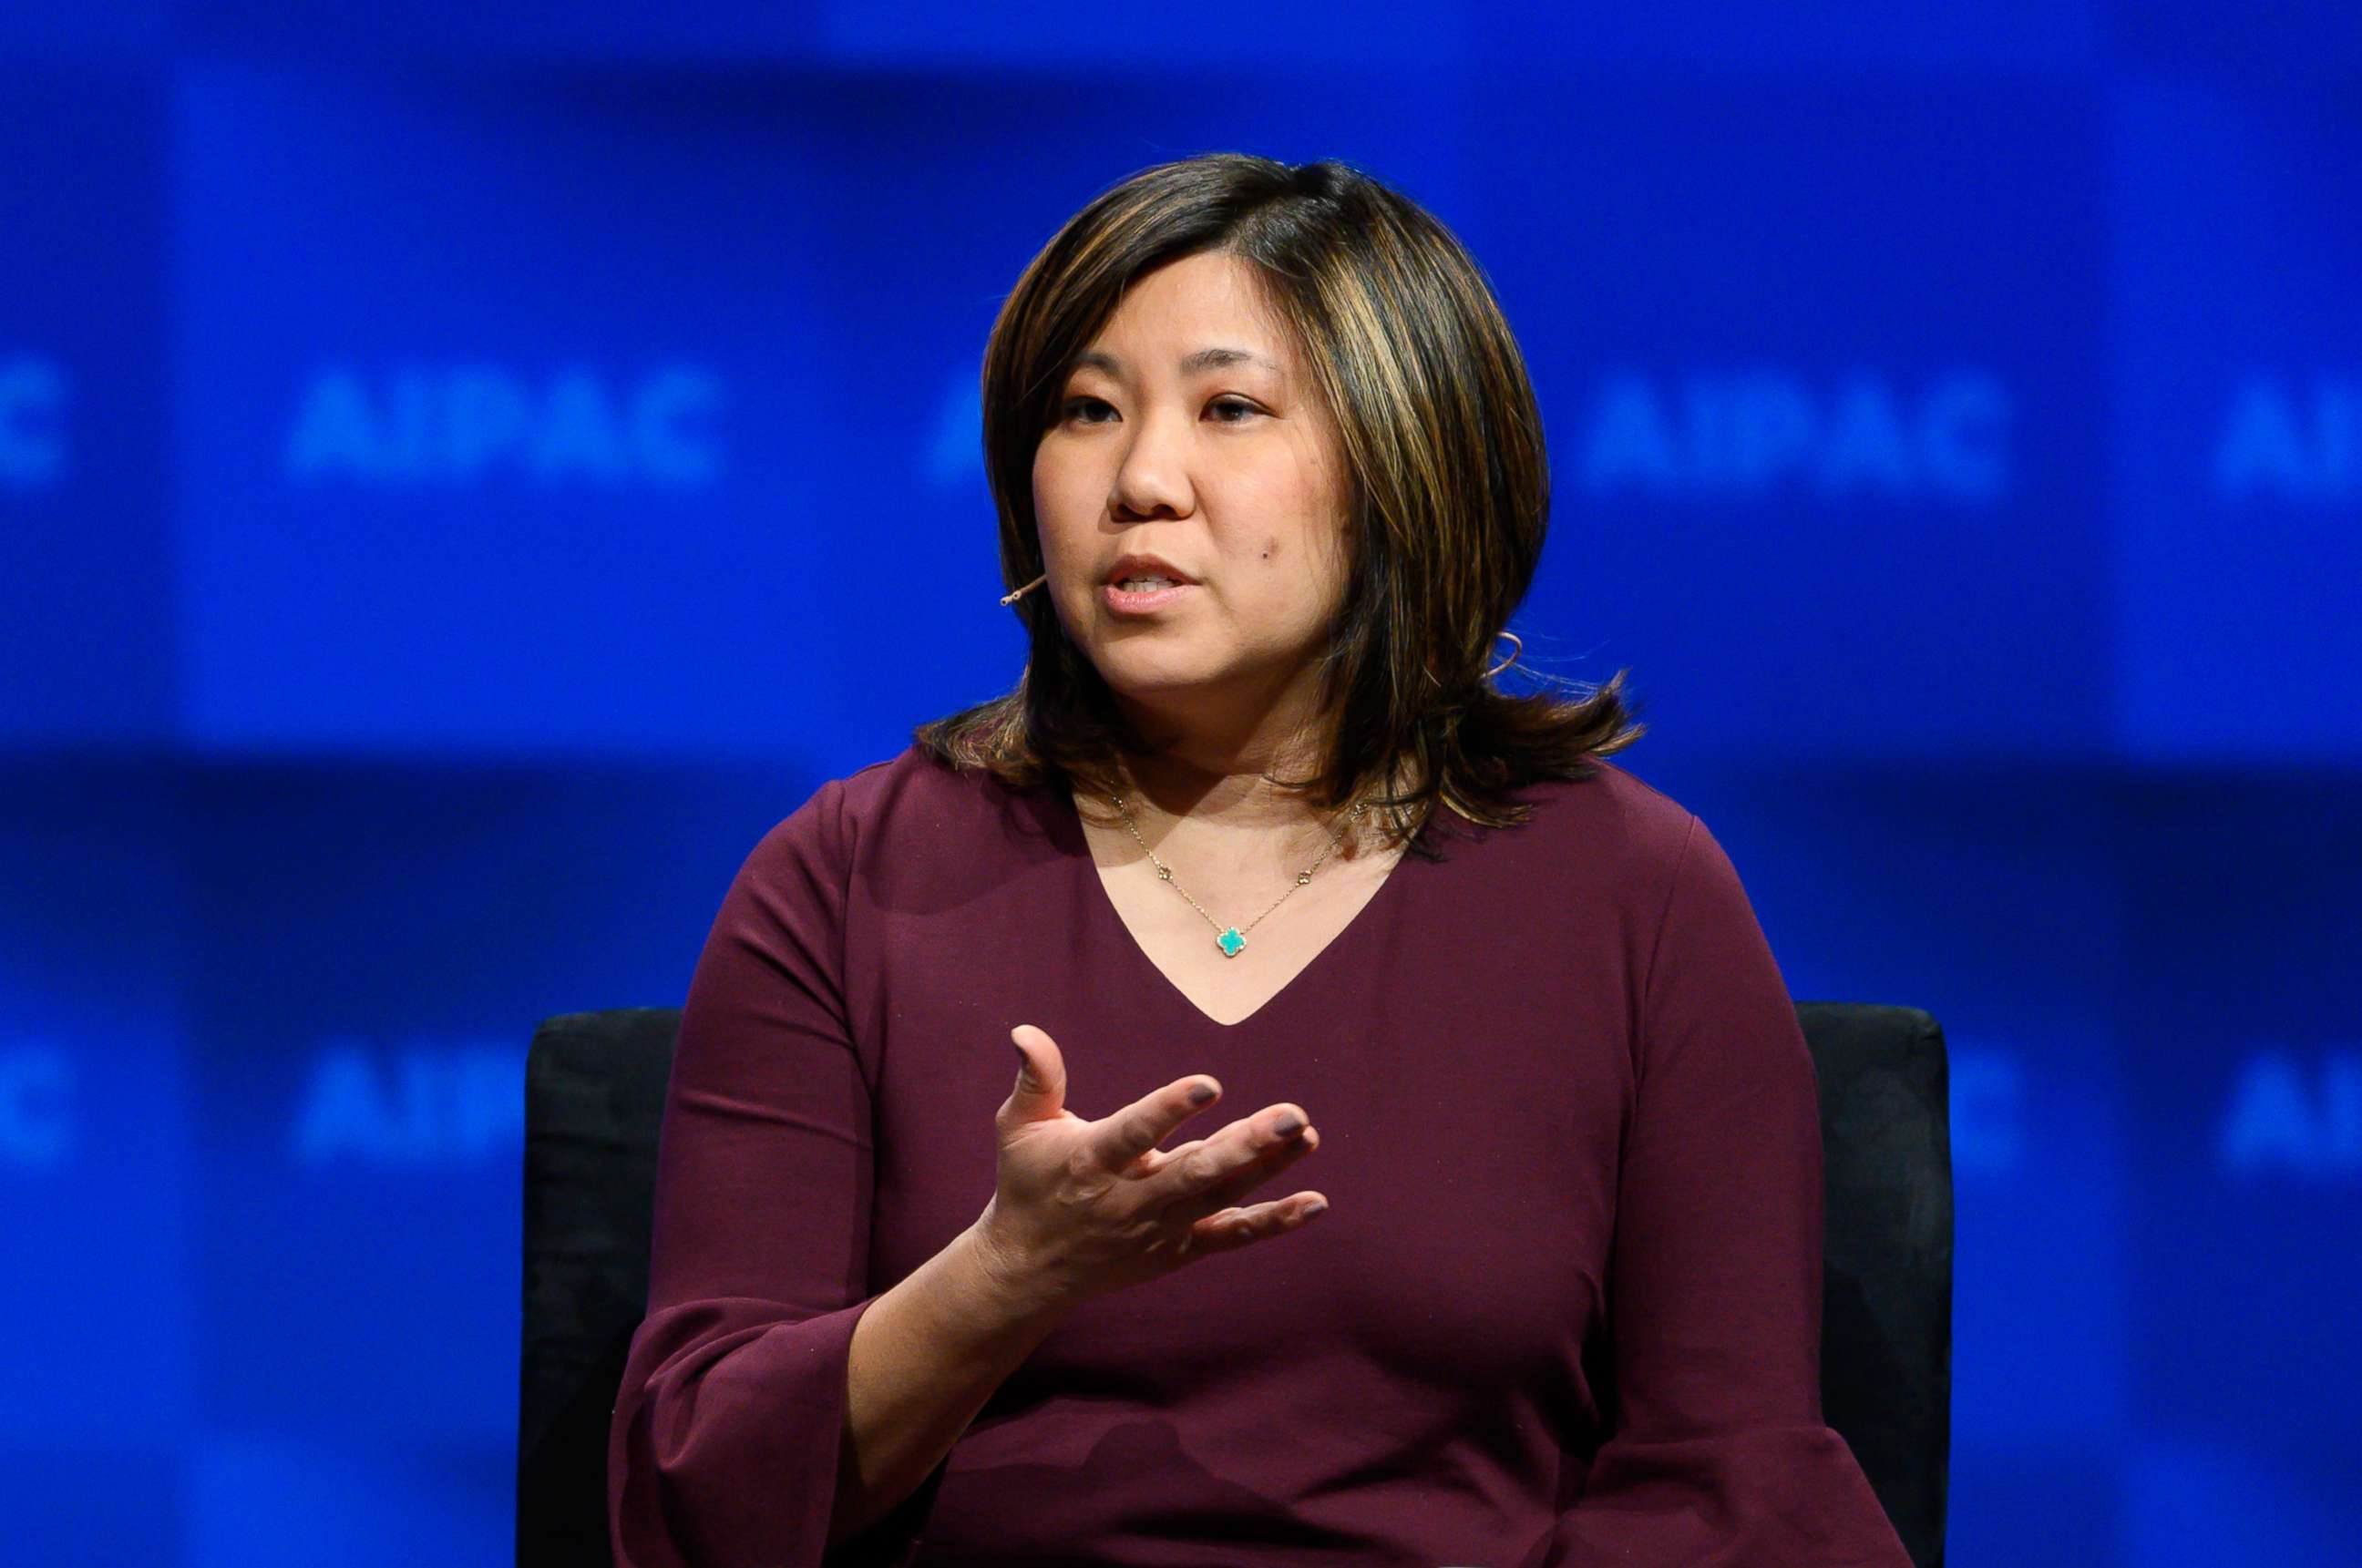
point(1084, 1207)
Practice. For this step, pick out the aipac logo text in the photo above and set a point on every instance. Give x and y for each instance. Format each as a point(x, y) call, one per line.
point(2289, 1116)
point(413, 1103)
point(1722, 436)
point(470, 424)
point(37, 1104)
point(32, 422)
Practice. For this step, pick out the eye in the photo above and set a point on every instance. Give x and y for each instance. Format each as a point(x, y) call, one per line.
point(1075, 406)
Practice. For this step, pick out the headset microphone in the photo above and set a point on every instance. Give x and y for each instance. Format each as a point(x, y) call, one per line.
point(1013, 598)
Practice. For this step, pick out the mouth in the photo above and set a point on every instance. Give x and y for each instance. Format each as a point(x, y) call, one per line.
point(1143, 595)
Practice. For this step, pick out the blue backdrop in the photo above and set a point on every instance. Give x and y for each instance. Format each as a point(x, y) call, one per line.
point(467, 471)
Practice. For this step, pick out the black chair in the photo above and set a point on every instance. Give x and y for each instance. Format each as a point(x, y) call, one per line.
point(1886, 1255)
point(594, 1100)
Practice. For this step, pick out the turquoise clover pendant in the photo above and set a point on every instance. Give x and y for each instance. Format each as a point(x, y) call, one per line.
point(1230, 942)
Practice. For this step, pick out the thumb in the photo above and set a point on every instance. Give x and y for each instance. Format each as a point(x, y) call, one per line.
point(1041, 1073)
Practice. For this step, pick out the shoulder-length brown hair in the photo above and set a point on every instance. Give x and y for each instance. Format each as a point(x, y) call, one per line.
point(1449, 490)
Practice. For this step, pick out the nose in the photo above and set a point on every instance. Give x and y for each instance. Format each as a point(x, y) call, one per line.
point(1151, 480)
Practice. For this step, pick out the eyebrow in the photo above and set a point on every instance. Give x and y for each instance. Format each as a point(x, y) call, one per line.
point(1203, 359)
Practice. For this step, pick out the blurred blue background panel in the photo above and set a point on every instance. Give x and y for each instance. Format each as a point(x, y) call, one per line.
point(502, 29)
point(114, 1503)
point(96, 1391)
point(268, 1501)
point(1307, 34)
point(1312, 38)
point(2238, 420)
point(1820, 369)
point(356, 1075)
point(2249, 1120)
point(707, 481)
point(2274, 48)
point(93, 1128)
point(1751, 34)
point(87, 611)
point(494, 418)
point(83, 26)
point(2198, 1500)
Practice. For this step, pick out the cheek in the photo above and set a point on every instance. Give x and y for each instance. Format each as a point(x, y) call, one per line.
point(1057, 478)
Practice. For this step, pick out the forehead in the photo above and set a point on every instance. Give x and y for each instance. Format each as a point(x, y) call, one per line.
point(1203, 312)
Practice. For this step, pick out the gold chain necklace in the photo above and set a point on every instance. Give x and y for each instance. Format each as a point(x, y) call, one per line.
point(1231, 939)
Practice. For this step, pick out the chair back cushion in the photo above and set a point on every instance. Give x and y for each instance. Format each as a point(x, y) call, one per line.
point(1886, 1271)
point(594, 1102)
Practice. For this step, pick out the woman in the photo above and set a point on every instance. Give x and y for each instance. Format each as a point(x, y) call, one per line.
point(1254, 831)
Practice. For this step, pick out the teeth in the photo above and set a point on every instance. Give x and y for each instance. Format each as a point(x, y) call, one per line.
point(1145, 584)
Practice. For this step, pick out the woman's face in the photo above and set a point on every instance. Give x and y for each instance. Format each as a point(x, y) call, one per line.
point(1227, 468)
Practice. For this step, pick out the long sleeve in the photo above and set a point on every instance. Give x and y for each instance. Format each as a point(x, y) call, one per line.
point(729, 1423)
point(1718, 1455)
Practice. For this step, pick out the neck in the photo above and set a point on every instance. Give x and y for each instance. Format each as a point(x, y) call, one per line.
point(1218, 803)
point(1203, 772)
point(1215, 774)
point(1227, 789)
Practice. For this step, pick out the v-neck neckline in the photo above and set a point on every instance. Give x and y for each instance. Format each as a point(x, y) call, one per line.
point(1070, 820)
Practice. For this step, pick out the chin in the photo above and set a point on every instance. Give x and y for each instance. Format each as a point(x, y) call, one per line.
point(1150, 687)
point(1146, 678)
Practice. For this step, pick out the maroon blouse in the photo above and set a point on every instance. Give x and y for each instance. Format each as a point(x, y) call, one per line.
point(1564, 1307)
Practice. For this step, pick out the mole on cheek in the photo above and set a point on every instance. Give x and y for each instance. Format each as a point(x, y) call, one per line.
point(1268, 546)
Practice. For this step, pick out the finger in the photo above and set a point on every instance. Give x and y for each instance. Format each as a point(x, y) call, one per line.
point(1155, 1159)
point(1120, 1139)
point(1263, 1165)
point(1041, 1091)
point(1244, 1153)
point(1235, 1228)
